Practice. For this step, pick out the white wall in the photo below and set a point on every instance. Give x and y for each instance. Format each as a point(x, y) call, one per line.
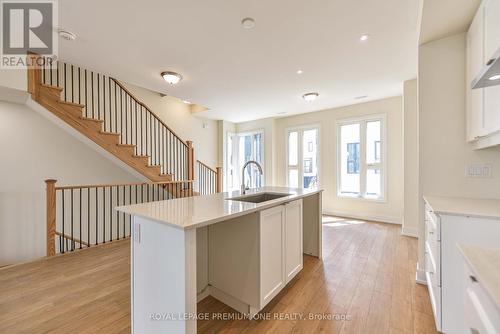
point(444, 154)
point(392, 209)
point(185, 124)
point(34, 149)
point(410, 170)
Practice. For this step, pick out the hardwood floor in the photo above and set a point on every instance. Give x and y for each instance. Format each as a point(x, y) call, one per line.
point(366, 282)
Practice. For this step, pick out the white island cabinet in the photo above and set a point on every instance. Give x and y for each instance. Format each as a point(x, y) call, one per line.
point(254, 250)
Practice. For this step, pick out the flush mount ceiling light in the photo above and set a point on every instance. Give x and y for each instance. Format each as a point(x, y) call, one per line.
point(495, 77)
point(300, 71)
point(67, 35)
point(171, 77)
point(186, 101)
point(248, 23)
point(309, 97)
point(364, 37)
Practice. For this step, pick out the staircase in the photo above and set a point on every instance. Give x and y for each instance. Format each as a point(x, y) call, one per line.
point(103, 110)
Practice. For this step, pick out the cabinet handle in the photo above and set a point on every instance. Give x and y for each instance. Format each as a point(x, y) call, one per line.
point(431, 232)
point(473, 279)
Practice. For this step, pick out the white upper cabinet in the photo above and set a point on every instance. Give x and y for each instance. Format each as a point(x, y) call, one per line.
point(491, 45)
point(475, 62)
point(483, 104)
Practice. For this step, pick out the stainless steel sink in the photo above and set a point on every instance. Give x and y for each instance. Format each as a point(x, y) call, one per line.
point(258, 198)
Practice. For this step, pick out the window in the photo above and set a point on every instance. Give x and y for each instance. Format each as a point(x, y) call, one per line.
point(243, 147)
point(361, 158)
point(302, 157)
point(353, 158)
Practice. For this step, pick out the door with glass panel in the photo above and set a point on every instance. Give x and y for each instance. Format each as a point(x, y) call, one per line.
point(303, 157)
point(243, 147)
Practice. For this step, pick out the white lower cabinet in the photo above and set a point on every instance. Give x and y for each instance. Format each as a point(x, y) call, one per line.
point(444, 264)
point(293, 240)
point(252, 259)
point(272, 253)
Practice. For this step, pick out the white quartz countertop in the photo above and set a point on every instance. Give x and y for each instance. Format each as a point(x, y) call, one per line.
point(485, 265)
point(198, 211)
point(484, 208)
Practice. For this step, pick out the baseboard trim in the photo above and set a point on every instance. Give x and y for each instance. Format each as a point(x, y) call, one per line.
point(409, 231)
point(381, 219)
point(420, 276)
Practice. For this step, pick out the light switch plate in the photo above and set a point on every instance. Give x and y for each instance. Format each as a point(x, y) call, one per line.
point(478, 170)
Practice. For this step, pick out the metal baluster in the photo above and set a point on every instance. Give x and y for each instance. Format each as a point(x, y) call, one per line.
point(63, 216)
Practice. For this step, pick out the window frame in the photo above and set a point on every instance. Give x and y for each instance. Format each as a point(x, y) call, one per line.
point(300, 165)
point(363, 165)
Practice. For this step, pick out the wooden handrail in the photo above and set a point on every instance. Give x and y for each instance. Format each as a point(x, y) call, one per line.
point(121, 184)
point(72, 239)
point(148, 109)
point(206, 166)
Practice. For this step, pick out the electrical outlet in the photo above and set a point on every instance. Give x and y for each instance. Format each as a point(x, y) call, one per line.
point(478, 171)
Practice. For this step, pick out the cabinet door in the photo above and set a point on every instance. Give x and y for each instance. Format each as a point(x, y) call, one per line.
point(272, 278)
point(293, 239)
point(475, 62)
point(492, 44)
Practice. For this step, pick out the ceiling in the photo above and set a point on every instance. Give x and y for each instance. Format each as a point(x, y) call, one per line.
point(442, 18)
point(243, 74)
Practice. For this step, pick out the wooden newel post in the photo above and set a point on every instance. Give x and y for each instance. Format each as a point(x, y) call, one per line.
point(51, 217)
point(34, 75)
point(190, 160)
point(218, 184)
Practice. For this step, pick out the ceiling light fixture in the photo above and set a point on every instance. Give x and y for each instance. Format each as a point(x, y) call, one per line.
point(300, 71)
point(495, 77)
point(186, 101)
point(248, 23)
point(309, 97)
point(171, 77)
point(67, 35)
point(364, 37)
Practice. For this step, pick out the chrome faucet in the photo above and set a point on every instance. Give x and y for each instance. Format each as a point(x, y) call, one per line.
point(243, 187)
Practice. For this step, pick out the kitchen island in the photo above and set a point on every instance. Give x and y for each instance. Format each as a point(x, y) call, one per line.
point(254, 245)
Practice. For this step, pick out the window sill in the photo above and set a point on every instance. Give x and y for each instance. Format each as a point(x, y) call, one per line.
point(360, 198)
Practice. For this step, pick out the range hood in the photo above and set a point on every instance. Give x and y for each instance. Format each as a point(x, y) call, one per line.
point(488, 73)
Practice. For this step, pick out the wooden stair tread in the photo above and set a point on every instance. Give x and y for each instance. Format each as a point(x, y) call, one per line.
point(91, 119)
point(141, 156)
point(73, 104)
point(52, 87)
point(109, 133)
point(125, 145)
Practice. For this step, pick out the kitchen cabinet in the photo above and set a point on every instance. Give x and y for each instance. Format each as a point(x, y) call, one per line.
point(253, 257)
point(272, 253)
point(475, 62)
point(483, 104)
point(293, 240)
point(448, 222)
point(491, 45)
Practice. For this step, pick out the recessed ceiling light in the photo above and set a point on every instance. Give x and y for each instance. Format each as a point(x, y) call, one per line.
point(495, 77)
point(300, 71)
point(364, 37)
point(67, 35)
point(248, 23)
point(310, 96)
point(171, 77)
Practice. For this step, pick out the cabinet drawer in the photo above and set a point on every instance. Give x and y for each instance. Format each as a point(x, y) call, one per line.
point(432, 265)
point(435, 297)
point(481, 315)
